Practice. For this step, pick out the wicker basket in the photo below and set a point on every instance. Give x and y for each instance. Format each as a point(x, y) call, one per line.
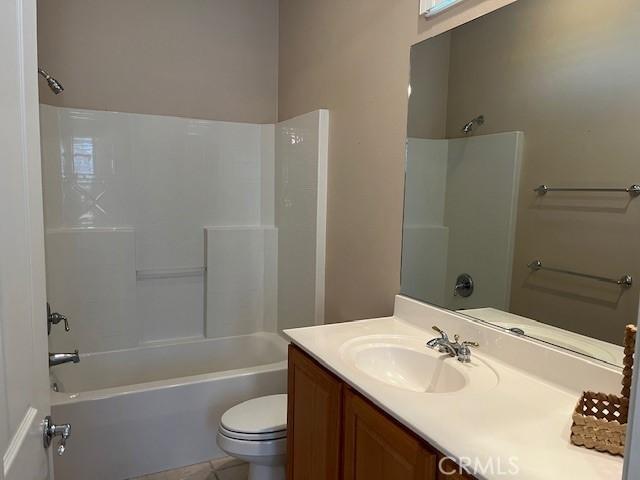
point(600, 420)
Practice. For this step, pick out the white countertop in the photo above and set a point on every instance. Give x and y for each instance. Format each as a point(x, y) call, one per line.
point(521, 422)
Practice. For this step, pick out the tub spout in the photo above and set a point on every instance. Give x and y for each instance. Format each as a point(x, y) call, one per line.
point(60, 358)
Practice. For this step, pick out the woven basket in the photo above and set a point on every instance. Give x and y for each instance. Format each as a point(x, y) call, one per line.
point(600, 420)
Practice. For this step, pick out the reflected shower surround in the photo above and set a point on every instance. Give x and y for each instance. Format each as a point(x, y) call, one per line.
point(450, 184)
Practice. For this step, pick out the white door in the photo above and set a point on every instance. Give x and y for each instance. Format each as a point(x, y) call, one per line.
point(24, 392)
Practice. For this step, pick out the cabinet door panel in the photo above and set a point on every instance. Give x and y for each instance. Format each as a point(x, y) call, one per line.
point(377, 448)
point(449, 470)
point(314, 420)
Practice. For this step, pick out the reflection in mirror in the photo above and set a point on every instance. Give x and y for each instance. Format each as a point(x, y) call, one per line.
point(521, 204)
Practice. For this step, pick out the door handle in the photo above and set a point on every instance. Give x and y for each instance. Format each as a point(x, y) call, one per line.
point(51, 430)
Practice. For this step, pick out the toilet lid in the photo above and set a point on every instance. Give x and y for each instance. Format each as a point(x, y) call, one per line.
point(258, 415)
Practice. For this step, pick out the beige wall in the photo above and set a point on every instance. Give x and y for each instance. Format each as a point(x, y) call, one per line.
point(568, 78)
point(353, 58)
point(427, 116)
point(211, 59)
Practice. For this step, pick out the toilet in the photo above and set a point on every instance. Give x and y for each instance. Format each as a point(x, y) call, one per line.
point(256, 431)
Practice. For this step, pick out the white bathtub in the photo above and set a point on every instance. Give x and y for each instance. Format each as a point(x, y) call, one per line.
point(153, 408)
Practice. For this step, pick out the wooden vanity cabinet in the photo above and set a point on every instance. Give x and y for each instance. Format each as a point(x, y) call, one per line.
point(334, 433)
point(314, 420)
point(377, 447)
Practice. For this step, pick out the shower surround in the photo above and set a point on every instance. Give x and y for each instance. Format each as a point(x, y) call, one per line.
point(178, 249)
point(162, 228)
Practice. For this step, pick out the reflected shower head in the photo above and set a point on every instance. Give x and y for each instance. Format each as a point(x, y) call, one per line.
point(468, 127)
point(55, 86)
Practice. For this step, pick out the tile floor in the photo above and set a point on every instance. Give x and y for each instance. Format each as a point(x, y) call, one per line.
point(223, 469)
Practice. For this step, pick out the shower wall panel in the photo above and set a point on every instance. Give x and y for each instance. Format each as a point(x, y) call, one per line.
point(425, 238)
point(483, 180)
point(91, 277)
point(301, 146)
point(240, 296)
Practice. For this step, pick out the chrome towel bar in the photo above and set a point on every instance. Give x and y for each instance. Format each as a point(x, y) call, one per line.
point(625, 281)
point(633, 190)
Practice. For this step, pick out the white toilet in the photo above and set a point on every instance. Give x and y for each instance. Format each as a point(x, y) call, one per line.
point(256, 431)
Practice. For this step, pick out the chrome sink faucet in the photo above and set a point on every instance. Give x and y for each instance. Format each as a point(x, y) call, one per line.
point(455, 348)
point(60, 358)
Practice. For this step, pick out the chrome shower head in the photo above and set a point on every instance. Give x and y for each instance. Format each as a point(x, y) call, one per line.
point(55, 86)
point(468, 127)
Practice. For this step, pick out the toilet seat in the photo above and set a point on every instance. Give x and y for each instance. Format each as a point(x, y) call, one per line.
point(255, 437)
point(265, 452)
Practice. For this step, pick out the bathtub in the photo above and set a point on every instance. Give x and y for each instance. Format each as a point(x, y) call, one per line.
point(157, 407)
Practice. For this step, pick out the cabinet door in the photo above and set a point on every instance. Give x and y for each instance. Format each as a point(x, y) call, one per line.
point(449, 470)
point(377, 448)
point(314, 420)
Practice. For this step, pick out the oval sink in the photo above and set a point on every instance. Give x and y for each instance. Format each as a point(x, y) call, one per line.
point(406, 363)
point(405, 368)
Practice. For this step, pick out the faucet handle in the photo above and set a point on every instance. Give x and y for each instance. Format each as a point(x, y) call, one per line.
point(54, 318)
point(442, 333)
point(464, 352)
point(436, 342)
point(57, 318)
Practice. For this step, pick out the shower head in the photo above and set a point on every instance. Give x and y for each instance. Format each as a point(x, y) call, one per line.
point(468, 127)
point(55, 86)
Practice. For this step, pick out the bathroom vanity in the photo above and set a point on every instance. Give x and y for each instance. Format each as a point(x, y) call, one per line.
point(333, 429)
point(369, 400)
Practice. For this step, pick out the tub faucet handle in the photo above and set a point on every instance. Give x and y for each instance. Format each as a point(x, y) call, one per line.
point(54, 318)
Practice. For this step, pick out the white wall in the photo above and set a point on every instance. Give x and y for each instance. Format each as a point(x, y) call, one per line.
point(301, 146)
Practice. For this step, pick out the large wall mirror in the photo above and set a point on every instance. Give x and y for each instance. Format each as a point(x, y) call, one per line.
point(523, 155)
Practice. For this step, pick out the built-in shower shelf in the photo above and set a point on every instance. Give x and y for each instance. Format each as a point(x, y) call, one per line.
point(170, 273)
